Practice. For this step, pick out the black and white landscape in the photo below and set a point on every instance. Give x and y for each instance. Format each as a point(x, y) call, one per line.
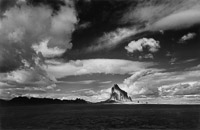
point(99, 64)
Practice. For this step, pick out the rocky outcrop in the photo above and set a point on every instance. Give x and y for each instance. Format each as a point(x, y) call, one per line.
point(118, 95)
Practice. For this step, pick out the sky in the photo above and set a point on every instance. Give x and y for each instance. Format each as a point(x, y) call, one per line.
point(68, 49)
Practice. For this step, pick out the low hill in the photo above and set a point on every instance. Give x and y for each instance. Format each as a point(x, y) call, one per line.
point(39, 101)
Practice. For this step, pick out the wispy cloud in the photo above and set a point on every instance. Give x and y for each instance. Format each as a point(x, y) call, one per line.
point(172, 14)
point(112, 39)
point(81, 82)
point(178, 20)
point(105, 82)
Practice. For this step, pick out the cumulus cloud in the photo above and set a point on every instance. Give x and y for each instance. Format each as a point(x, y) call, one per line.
point(187, 37)
point(46, 51)
point(139, 45)
point(38, 32)
point(32, 25)
point(91, 66)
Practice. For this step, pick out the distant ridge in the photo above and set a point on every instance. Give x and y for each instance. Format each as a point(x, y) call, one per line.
point(39, 101)
point(118, 95)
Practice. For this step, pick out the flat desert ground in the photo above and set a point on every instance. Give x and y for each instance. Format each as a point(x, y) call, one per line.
point(100, 117)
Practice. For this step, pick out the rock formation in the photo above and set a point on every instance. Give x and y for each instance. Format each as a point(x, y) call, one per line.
point(118, 95)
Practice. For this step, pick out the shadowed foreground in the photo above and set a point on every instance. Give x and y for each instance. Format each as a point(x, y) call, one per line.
point(100, 117)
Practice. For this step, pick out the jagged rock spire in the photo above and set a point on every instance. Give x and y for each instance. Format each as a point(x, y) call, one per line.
point(119, 95)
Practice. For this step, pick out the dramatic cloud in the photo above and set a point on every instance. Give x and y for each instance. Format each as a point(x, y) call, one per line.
point(42, 55)
point(33, 25)
point(26, 40)
point(130, 85)
point(151, 44)
point(145, 17)
point(187, 37)
point(156, 84)
point(91, 66)
point(29, 34)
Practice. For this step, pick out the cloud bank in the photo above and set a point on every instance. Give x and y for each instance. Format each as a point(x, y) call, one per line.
point(91, 66)
point(158, 84)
